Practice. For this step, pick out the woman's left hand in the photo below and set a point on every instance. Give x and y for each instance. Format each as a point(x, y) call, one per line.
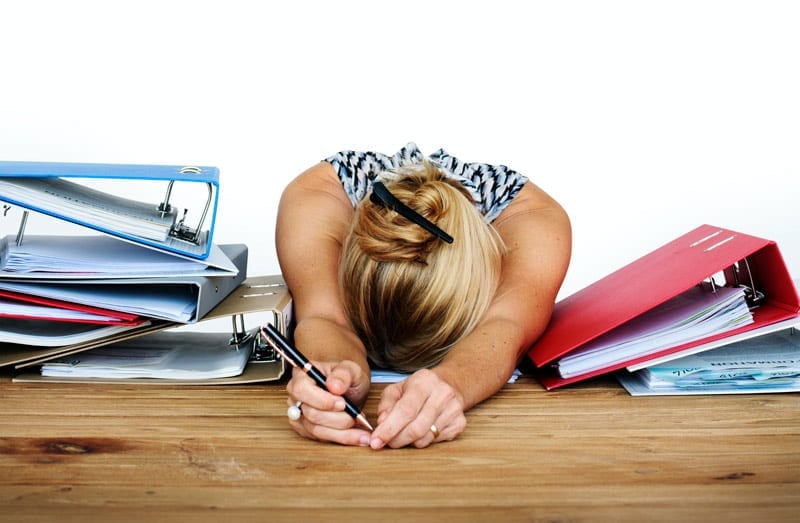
point(420, 410)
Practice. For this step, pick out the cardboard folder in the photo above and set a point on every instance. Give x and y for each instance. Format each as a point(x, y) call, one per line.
point(657, 277)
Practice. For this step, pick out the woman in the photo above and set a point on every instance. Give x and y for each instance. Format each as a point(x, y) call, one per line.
point(445, 269)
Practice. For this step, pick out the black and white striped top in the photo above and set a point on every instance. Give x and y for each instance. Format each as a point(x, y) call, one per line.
point(492, 186)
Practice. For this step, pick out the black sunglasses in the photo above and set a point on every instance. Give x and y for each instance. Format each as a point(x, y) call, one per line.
point(381, 196)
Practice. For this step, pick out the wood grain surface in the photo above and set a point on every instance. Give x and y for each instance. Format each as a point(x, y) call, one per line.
point(71, 452)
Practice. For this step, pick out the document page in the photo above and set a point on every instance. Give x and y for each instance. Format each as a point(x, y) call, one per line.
point(94, 254)
point(165, 355)
point(43, 333)
point(86, 205)
point(101, 256)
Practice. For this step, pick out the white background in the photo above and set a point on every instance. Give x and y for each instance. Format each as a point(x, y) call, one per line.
point(644, 119)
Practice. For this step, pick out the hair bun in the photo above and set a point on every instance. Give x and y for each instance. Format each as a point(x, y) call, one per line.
point(385, 235)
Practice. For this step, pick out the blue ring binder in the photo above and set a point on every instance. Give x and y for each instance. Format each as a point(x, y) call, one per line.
point(49, 188)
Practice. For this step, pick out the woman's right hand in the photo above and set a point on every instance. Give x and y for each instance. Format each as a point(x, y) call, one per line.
point(323, 415)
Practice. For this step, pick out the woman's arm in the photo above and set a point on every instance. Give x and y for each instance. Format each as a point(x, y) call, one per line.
point(538, 236)
point(314, 216)
point(537, 233)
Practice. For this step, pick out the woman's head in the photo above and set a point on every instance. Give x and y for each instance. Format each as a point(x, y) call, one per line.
point(410, 295)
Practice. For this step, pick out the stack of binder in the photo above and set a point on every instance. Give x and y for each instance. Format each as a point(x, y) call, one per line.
point(153, 266)
point(709, 288)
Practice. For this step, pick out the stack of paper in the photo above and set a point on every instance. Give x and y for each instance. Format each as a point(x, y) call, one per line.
point(90, 206)
point(768, 363)
point(107, 304)
point(99, 256)
point(87, 254)
point(43, 333)
point(693, 314)
point(388, 376)
point(160, 355)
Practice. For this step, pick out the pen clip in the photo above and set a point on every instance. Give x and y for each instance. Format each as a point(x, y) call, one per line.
point(266, 337)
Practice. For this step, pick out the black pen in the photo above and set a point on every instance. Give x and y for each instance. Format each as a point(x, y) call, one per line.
point(296, 359)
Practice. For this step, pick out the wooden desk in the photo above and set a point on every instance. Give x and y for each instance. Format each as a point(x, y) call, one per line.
point(586, 453)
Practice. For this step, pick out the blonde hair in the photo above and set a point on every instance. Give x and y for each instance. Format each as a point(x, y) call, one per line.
point(409, 295)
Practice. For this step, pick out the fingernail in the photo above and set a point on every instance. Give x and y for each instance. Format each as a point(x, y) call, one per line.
point(339, 405)
point(364, 441)
point(376, 443)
